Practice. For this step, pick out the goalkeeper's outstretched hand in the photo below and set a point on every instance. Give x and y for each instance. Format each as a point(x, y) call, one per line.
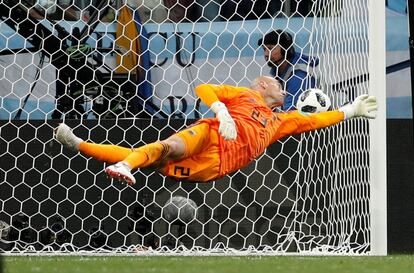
point(363, 106)
point(227, 128)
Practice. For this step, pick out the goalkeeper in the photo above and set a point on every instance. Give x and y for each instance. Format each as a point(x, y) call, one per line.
point(243, 128)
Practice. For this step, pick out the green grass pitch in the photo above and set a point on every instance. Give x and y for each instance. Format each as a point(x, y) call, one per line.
point(252, 264)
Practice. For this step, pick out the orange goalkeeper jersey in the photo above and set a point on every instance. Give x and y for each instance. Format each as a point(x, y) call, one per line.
point(258, 126)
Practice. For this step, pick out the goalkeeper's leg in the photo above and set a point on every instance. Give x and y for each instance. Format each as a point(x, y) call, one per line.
point(140, 157)
point(103, 152)
point(176, 147)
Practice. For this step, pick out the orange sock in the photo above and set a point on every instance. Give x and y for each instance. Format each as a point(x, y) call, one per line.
point(104, 152)
point(147, 154)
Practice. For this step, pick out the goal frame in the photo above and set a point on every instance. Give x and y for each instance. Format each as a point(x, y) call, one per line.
point(378, 143)
point(377, 160)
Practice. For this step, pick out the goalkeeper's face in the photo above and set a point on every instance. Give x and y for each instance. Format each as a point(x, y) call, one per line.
point(274, 93)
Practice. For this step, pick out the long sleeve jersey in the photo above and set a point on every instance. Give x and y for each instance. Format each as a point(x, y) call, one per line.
point(257, 125)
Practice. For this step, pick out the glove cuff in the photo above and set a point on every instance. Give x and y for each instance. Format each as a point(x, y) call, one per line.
point(218, 106)
point(348, 110)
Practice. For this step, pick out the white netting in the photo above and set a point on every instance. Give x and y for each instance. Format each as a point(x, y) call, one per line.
point(307, 194)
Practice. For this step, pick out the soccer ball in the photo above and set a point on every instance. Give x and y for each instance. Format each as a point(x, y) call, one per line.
point(313, 101)
point(179, 208)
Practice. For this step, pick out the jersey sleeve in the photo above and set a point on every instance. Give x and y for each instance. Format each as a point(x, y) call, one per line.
point(210, 93)
point(295, 123)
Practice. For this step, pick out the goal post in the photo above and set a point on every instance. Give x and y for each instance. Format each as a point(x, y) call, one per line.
point(378, 142)
point(130, 81)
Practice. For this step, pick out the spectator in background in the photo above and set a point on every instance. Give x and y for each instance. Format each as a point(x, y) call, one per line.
point(291, 68)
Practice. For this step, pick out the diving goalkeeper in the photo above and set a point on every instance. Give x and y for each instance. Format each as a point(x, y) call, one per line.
point(244, 126)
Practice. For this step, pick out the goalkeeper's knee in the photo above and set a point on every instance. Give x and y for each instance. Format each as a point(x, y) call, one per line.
point(175, 148)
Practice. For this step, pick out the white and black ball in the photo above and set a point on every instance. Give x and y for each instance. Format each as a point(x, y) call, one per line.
point(179, 209)
point(313, 101)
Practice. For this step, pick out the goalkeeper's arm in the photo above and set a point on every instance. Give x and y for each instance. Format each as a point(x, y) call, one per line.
point(207, 94)
point(363, 106)
point(295, 123)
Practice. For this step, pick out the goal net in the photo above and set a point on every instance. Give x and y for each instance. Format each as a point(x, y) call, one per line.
point(124, 73)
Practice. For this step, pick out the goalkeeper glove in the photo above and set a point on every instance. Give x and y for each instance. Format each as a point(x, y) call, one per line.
point(363, 106)
point(227, 128)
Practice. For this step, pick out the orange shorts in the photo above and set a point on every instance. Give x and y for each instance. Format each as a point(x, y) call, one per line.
point(201, 162)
